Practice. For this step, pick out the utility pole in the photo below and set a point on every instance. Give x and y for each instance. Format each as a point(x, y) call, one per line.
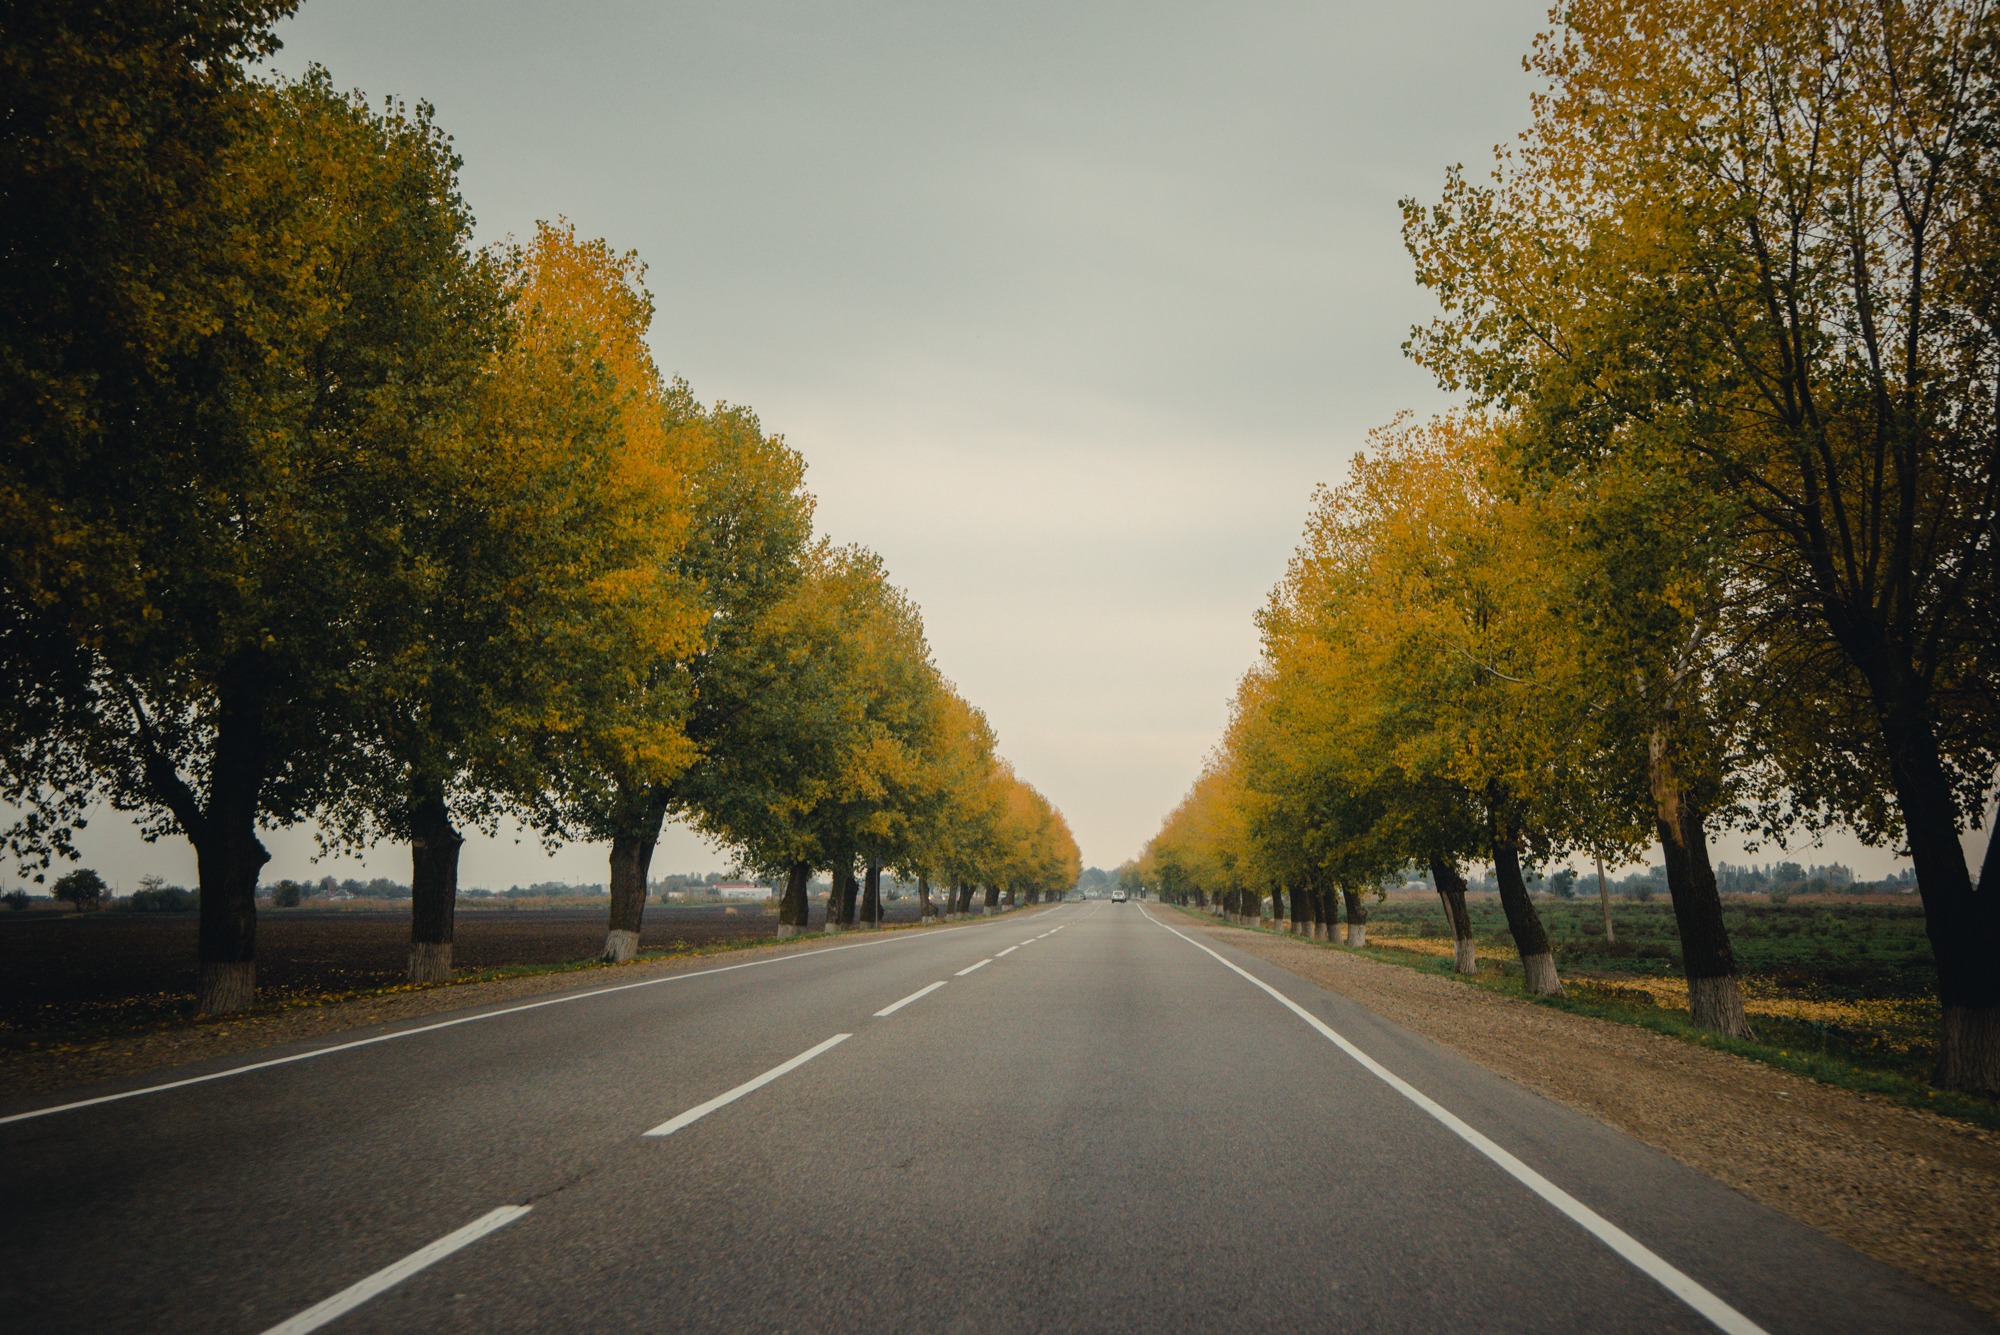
point(1604, 899)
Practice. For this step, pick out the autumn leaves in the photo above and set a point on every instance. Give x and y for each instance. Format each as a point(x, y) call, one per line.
point(318, 512)
point(1715, 546)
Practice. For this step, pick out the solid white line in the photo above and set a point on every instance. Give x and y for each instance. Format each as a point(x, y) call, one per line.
point(970, 967)
point(389, 1276)
point(468, 1019)
point(1008, 951)
point(920, 992)
point(1617, 1239)
point(673, 1124)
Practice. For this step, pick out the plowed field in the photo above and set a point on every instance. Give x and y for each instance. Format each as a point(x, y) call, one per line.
point(63, 972)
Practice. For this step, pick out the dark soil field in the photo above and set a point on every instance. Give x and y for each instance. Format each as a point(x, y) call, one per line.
point(67, 975)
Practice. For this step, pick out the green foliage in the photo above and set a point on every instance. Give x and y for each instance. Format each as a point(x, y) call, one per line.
point(163, 899)
point(313, 511)
point(83, 888)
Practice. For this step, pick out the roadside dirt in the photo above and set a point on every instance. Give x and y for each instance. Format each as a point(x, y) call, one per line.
point(1917, 1191)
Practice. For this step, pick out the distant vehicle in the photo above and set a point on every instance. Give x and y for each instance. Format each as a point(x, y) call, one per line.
point(1118, 896)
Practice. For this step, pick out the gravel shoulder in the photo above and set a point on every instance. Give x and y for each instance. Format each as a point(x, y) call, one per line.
point(1911, 1189)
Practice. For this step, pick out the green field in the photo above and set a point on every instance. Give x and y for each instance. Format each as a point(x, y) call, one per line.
point(1834, 983)
point(1833, 949)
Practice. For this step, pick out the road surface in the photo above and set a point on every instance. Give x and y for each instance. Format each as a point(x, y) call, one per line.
point(1075, 1119)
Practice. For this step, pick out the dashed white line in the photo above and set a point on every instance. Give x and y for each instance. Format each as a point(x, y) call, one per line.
point(389, 1276)
point(893, 1007)
point(1008, 951)
point(695, 1114)
point(1641, 1257)
point(970, 967)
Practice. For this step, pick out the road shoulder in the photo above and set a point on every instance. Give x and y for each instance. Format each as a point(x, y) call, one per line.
point(1913, 1190)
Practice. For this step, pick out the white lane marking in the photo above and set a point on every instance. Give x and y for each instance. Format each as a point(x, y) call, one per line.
point(970, 967)
point(470, 1019)
point(389, 1276)
point(695, 1114)
point(893, 1007)
point(1617, 1239)
point(1008, 951)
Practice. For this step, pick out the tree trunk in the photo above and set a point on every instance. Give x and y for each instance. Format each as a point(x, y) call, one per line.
point(1963, 926)
point(1278, 920)
point(632, 841)
point(1007, 898)
point(228, 854)
point(1451, 889)
point(794, 908)
point(1357, 918)
point(841, 902)
point(1604, 901)
point(871, 896)
point(963, 904)
point(434, 847)
point(227, 945)
point(924, 914)
point(1538, 965)
point(991, 904)
point(1715, 1001)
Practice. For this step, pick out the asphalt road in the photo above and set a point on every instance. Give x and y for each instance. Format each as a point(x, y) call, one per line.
point(1107, 1126)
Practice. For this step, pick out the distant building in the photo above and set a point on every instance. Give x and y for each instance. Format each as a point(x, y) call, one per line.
point(743, 890)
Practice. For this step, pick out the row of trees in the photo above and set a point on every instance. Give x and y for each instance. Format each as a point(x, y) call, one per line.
point(1715, 542)
point(313, 510)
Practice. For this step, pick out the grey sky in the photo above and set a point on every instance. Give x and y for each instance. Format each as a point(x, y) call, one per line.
point(1067, 306)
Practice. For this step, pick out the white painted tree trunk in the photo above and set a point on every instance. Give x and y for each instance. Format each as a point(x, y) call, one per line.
point(786, 931)
point(834, 928)
point(430, 961)
point(1463, 957)
point(619, 946)
point(1539, 973)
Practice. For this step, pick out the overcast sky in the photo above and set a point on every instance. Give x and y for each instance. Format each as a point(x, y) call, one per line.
point(1067, 306)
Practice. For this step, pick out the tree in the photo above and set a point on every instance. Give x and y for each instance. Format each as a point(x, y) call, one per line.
point(617, 751)
point(800, 716)
point(196, 584)
point(1759, 238)
point(539, 534)
point(84, 888)
point(121, 124)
